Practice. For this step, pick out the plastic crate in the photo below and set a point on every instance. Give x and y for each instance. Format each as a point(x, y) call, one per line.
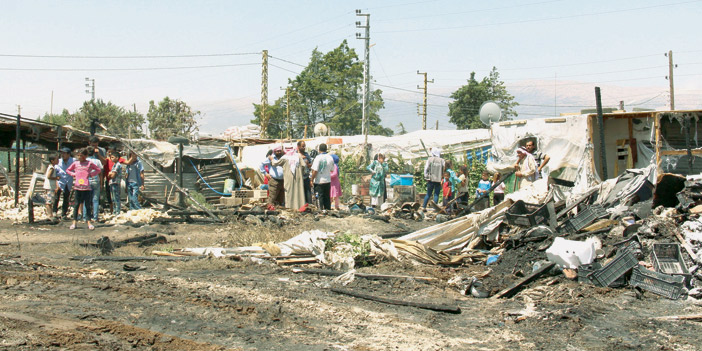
point(622, 263)
point(632, 244)
point(585, 271)
point(665, 285)
point(526, 215)
point(584, 218)
point(667, 259)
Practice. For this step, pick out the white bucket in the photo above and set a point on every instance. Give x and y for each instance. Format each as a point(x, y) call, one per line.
point(354, 189)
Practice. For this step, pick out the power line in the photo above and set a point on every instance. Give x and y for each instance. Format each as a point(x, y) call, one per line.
point(290, 62)
point(540, 19)
point(472, 11)
point(284, 69)
point(411, 91)
point(125, 69)
point(128, 57)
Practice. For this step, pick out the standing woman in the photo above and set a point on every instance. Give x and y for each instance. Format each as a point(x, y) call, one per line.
point(335, 190)
point(379, 169)
point(81, 171)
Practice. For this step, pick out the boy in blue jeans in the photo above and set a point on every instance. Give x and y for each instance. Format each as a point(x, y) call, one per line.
point(135, 181)
point(115, 176)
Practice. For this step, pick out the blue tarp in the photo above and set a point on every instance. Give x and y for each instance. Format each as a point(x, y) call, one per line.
point(481, 154)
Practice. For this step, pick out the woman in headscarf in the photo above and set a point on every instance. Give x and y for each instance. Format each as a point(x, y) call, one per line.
point(335, 187)
point(379, 169)
point(293, 163)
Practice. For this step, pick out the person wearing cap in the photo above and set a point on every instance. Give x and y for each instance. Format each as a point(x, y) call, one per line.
point(65, 181)
point(433, 172)
point(525, 168)
point(274, 174)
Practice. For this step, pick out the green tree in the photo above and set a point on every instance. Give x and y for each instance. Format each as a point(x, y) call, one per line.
point(118, 121)
point(171, 117)
point(61, 119)
point(328, 90)
point(463, 111)
point(277, 121)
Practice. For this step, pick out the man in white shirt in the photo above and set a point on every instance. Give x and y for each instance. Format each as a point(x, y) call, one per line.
point(320, 177)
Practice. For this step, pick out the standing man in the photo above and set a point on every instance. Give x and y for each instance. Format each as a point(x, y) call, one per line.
point(65, 182)
point(276, 182)
point(135, 181)
point(433, 171)
point(540, 158)
point(320, 177)
point(301, 148)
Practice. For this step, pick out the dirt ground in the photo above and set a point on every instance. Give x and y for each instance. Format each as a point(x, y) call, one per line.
point(50, 301)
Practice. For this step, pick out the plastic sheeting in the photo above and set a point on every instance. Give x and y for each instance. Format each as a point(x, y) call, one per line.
point(565, 140)
point(407, 146)
point(164, 153)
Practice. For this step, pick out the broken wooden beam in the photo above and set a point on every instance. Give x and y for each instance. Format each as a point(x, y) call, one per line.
point(509, 292)
point(331, 272)
point(134, 258)
point(426, 306)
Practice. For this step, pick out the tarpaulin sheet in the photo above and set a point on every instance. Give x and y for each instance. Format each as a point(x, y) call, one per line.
point(164, 153)
point(564, 139)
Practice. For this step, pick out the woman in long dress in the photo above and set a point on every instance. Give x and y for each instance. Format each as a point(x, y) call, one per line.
point(379, 169)
point(335, 190)
point(293, 164)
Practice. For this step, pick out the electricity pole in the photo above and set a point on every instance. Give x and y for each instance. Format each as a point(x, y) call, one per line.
point(670, 79)
point(264, 95)
point(91, 86)
point(366, 73)
point(424, 113)
point(287, 110)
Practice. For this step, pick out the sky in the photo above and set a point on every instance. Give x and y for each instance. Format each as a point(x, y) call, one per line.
point(550, 54)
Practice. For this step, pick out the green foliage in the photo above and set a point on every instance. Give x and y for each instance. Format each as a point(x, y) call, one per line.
point(475, 173)
point(62, 119)
point(199, 198)
point(401, 129)
point(463, 111)
point(327, 91)
point(171, 117)
point(118, 120)
point(361, 249)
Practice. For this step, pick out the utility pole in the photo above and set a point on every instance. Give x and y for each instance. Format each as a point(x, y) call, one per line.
point(424, 113)
point(19, 109)
point(366, 73)
point(91, 86)
point(437, 124)
point(670, 79)
point(287, 110)
point(52, 102)
point(264, 95)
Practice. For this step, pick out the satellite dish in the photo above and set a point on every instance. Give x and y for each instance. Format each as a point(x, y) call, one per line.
point(320, 129)
point(490, 112)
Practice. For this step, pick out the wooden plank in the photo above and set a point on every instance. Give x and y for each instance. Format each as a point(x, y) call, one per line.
point(428, 306)
point(510, 291)
point(330, 272)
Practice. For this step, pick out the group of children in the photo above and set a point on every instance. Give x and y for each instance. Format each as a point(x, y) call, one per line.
point(83, 172)
point(452, 185)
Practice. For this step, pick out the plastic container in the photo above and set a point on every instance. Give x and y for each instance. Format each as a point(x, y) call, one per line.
point(667, 258)
point(401, 179)
point(583, 219)
point(622, 263)
point(526, 215)
point(569, 253)
point(354, 189)
point(658, 283)
point(586, 270)
point(632, 244)
point(228, 186)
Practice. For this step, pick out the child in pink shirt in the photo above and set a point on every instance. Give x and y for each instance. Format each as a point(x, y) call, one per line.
point(81, 171)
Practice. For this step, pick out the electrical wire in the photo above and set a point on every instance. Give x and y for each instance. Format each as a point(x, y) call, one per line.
point(124, 69)
point(538, 19)
point(204, 181)
point(128, 57)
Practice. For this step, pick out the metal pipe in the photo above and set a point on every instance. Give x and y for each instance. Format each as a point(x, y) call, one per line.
point(17, 161)
point(600, 124)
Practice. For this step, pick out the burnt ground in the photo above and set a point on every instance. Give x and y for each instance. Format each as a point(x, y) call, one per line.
point(52, 302)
